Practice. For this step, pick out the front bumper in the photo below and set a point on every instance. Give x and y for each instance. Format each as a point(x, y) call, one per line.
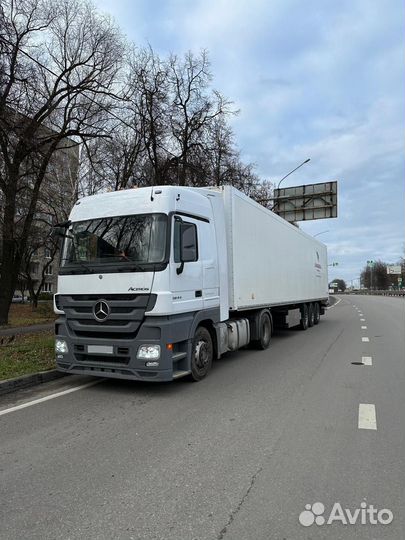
point(122, 361)
point(109, 348)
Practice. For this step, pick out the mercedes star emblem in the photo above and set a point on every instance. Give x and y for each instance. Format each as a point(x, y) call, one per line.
point(101, 310)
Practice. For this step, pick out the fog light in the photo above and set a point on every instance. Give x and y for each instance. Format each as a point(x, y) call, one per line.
point(148, 352)
point(152, 364)
point(61, 346)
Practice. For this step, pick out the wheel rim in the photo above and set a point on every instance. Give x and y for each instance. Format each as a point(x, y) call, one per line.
point(201, 355)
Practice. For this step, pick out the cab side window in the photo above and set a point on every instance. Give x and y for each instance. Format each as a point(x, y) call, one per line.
point(185, 234)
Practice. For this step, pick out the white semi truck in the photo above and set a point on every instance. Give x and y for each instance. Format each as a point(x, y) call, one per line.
point(156, 283)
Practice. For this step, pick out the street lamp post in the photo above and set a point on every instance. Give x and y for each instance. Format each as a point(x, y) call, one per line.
point(317, 234)
point(371, 264)
point(284, 177)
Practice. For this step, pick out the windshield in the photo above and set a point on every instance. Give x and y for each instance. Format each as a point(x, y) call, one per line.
point(123, 240)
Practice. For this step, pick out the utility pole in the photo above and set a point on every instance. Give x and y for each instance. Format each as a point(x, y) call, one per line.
point(370, 265)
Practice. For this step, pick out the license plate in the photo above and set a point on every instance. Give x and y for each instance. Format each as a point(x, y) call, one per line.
point(103, 349)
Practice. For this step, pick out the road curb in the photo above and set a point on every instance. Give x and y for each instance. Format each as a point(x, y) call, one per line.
point(11, 385)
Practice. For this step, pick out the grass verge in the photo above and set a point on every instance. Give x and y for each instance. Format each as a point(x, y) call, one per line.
point(24, 315)
point(25, 354)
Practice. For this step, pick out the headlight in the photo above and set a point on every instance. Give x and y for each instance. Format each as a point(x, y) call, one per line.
point(61, 346)
point(148, 352)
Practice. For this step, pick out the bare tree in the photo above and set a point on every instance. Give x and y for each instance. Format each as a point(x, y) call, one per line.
point(31, 273)
point(60, 66)
point(222, 152)
point(57, 195)
point(375, 277)
point(148, 83)
point(194, 106)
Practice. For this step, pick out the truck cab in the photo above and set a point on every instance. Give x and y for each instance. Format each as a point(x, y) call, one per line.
point(139, 273)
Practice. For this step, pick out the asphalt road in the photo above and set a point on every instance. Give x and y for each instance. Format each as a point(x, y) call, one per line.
point(236, 456)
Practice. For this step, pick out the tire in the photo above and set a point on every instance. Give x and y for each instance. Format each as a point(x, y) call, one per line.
point(317, 313)
point(264, 328)
point(304, 317)
point(311, 315)
point(201, 355)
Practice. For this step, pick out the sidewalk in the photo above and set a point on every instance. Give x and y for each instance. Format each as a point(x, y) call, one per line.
point(26, 329)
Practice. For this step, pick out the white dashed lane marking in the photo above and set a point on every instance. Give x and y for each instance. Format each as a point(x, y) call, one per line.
point(365, 339)
point(367, 360)
point(363, 320)
point(367, 416)
point(364, 327)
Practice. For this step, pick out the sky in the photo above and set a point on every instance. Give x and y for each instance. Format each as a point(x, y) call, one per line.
point(318, 79)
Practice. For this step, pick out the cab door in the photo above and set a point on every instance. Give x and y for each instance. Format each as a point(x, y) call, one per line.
point(209, 259)
point(186, 276)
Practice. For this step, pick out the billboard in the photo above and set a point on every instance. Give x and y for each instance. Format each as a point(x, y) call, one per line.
point(303, 203)
point(394, 269)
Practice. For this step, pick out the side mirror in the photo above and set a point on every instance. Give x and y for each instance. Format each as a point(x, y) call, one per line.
point(58, 232)
point(59, 229)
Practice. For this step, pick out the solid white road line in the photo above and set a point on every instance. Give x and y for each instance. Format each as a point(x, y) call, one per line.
point(367, 417)
point(335, 304)
point(365, 339)
point(51, 396)
point(367, 360)
point(364, 327)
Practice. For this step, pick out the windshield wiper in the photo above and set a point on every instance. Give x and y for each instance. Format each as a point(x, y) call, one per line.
point(135, 264)
point(89, 270)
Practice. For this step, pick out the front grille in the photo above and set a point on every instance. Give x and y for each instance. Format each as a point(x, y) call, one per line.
point(95, 297)
point(106, 335)
point(101, 358)
point(112, 322)
point(127, 311)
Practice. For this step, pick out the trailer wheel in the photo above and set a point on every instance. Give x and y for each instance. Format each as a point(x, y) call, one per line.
point(311, 315)
point(317, 313)
point(264, 328)
point(304, 317)
point(201, 355)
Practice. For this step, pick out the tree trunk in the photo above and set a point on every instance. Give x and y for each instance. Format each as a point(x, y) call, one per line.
point(9, 273)
point(33, 296)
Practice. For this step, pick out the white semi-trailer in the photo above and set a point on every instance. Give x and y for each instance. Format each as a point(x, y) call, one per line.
point(156, 283)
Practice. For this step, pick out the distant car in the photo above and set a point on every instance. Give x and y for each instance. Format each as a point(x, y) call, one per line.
point(18, 299)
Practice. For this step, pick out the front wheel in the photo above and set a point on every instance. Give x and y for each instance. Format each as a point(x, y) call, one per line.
point(201, 354)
